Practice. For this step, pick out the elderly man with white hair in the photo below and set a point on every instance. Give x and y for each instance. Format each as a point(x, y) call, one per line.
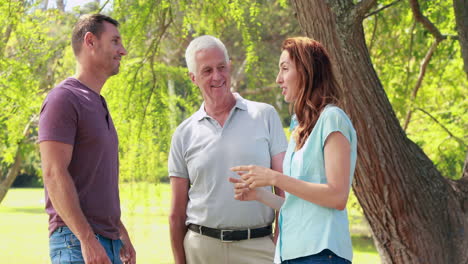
point(207, 224)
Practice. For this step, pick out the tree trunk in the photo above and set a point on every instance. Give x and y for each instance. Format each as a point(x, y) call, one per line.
point(60, 5)
point(10, 177)
point(7, 181)
point(416, 215)
point(461, 18)
point(45, 4)
point(172, 104)
point(13, 17)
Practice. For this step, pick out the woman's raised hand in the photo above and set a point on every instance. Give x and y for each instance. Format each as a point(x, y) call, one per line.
point(256, 176)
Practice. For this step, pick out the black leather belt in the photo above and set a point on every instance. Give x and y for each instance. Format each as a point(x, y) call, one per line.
point(226, 235)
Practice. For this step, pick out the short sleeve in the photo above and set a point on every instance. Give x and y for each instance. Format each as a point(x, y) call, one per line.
point(177, 166)
point(335, 120)
point(278, 141)
point(58, 119)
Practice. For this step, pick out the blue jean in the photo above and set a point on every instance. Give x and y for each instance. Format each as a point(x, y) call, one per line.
point(65, 248)
point(324, 257)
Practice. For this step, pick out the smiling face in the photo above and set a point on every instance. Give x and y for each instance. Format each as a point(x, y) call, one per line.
point(109, 50)
point(212, 74)
point(288, 78)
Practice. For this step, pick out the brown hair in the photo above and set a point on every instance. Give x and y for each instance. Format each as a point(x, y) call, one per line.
point(317, 84)
point(89, 23)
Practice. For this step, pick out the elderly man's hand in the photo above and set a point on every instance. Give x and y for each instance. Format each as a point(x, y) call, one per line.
point(242, 192)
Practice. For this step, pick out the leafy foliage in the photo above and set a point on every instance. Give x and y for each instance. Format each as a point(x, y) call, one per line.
point(30, 60)
point(398, 46)
point(152, 94)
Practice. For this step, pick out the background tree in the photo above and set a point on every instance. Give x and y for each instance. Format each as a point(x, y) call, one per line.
point(416, 215)
point(30, 60)
point(461, 16)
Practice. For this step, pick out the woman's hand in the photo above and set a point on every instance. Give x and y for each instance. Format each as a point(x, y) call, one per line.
point(256, 176)
point(242, 192)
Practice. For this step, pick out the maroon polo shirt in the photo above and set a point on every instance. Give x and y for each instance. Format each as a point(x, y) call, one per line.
point(76, 115)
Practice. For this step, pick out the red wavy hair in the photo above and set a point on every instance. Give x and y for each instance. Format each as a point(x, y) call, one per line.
point(317, 84)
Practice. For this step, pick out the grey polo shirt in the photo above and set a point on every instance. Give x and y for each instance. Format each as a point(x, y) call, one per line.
point(203, 152)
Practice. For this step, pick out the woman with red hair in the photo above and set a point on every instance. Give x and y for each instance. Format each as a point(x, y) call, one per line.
point(318, 166)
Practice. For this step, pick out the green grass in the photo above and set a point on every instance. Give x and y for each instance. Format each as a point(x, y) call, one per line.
point(145, 207)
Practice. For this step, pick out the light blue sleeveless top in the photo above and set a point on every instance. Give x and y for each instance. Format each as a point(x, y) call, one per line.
point(307, 228)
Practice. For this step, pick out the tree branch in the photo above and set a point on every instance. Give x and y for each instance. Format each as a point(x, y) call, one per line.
point(374, 31)
point(425, 21)
point(60, 5)
point(238, 76)
point(410, 52)
point(422, 73)
point(7, 181)
point(103, 5)
point(465, 168)
point(381, 9)
point(461, 18)
point(460, 187)
point(363, 7)
point(459, 140)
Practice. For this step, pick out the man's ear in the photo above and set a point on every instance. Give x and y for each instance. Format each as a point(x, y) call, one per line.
point(192, 77)
point(89, 39)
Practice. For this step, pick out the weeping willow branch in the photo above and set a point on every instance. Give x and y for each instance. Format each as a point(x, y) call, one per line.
point(422, 73)
point(162, 31)
point(410, 52)
point(381, 9)
point(103, 5)
point(459, 140)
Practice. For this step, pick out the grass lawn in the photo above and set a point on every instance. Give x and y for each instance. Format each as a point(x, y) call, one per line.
point(24, 238)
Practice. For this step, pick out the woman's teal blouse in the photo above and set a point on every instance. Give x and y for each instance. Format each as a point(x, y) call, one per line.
point(307, 228)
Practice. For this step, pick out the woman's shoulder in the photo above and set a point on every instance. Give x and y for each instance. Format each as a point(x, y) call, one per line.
point(333, 117)
point(333, 112)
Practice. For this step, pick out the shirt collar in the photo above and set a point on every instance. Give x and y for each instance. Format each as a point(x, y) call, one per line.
point(294, 123)
point(241, 103)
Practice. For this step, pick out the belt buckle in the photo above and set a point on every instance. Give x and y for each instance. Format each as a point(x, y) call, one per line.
point(222, 236)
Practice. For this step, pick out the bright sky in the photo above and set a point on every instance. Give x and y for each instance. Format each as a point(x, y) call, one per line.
point(69, 4)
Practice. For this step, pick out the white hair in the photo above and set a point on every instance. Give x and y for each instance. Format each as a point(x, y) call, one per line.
point(201, 43)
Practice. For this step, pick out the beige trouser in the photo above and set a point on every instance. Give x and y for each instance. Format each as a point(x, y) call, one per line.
point(200, 249)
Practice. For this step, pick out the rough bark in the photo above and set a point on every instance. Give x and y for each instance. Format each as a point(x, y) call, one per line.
point(461, 18)
point(415, 214)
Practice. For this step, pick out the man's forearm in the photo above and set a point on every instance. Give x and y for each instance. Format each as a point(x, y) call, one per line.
point(64, 198)
point(178, 231)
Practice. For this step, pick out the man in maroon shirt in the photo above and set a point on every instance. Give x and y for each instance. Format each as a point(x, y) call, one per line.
point(79, 151)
